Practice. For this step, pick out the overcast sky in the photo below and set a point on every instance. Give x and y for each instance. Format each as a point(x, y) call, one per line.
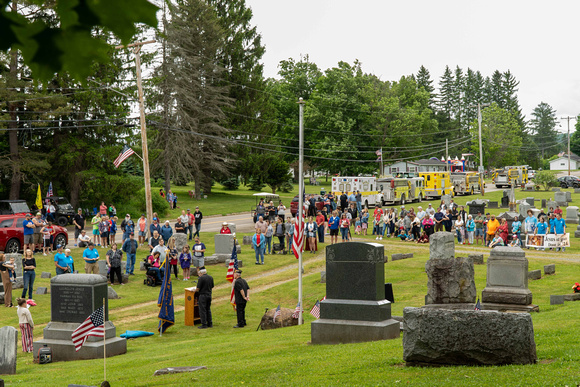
point(536, 40)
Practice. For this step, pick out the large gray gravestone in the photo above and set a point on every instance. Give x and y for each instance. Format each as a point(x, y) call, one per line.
point(476, 206)
point(436, 337)
point(572, 215)
point(523, 209)
point(8, 350)
point(568, 196)
point(544, 202)
point(450, 279)
point(358, 312)
point(180, 241)
point(560, 198)
point(73, 298)
point(507, 281)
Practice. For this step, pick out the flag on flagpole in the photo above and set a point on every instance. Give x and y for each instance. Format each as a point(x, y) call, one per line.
point(298, 239)
point(315, 311)
point(233, 296)
point(296, 313)
point(233, 264)
point(277, 313)
point(124, 155)
point(165, 300)
point(94, 325)
point(478, 305)
point(49, 193)
point(39, 199)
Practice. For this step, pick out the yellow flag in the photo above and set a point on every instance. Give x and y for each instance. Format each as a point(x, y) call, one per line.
point(39, 199)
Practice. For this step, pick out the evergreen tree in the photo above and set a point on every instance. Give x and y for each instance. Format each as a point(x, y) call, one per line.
point(446, 93)
point(543, 128)
point(423, 79)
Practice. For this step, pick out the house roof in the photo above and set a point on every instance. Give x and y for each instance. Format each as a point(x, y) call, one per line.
point(430, 162)
point(565, 157)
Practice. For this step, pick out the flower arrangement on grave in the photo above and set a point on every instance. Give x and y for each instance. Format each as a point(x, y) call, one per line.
point(576, 287)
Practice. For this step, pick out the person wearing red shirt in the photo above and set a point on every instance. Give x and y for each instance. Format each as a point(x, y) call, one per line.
point(190, 224)
point(558, 210)
point(225, 229)
point(377, 216)
point(103, 209)
point(320, 219)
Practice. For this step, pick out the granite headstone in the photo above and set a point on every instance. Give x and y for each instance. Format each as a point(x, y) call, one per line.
point(572, 215)
point(8, 350)
point(560, 198)
point(359, 312)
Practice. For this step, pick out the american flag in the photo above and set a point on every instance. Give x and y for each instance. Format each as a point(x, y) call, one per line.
point(277, 313)
point(298, 239)
point(233, 264)
point(124, 155)
point(49, 193)
point(478, 305)
point(94, 325)
point(315, 311)
point(296, 313)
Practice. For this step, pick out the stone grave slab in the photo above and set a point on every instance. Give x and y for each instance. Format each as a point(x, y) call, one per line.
point(73, 299)
point(323, 277)
point(398, 257)
point(572, 297)
point(549, 269)
point(477, 205)
point(477, 259)
point(544, 202)
point(177, 370)
point(224, 245)
point(577, 232)
point(507, 280)
point(450, 281)
point(441, 245)
point(576, 190)
point(361, 312)
point(435, 337)
point(492, 205)
point(568, 196)
point(560, 198)
point(556, 189)
point(42, 290)
point(530, 187)
point(556, 300)
point(572, 215)
point(180, 241)
point(535, 274)
point(8, 350)
point(247, 240)
point(45, 274)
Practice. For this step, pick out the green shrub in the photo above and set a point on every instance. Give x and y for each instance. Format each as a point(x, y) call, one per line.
point(136, 205)
point(231, 184)
point(546, 179)
point(256, 184)
point(286, 187)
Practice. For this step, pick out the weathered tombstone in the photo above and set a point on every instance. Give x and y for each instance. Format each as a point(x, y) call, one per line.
point(360, 312)
point(523, 208)
point(45, 274)
point(492, 205)
point(476, 206)
point(477, 259)
point(576, 190)
point(560, 198)
point(505, 193)
point(398, 257)
point(556, 300)
point(572, 297)
point(577, 232)
point(180, 241)
point(549, 269)
point(8, 350)
point(386, 258)
point(531, 201)
point(535, 274)
point(544, 202)
point(556, 189)
point(112, 294)
point(507, 281)
point(323, 277)
point(435, 337)
point(73, 299)
point(232, 227)
point(450, 279)
point(177, 370)
point(41, 290)
point(505, 202)
point(572, 215)
point(535, 212)
point(247, 240)
point(284, 320)
point(224, 245)
point(568, 196)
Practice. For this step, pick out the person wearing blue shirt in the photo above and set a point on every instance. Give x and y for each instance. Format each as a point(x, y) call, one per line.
point(530, 222)
point(559, 228)
point(28, 233)
point(542, 228)
point(333, 222)
point(63, 263)
point(166, 231)
point(258, 245)
point(130, 248)
point(517, 228)
point(91, 256)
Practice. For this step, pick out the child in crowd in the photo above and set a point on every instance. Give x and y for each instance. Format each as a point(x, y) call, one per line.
point(185, 260)
point(403, 235)
point(424, 238)
point(515, 241)
point(365, 221)
point(11, 270)
point(357, 226)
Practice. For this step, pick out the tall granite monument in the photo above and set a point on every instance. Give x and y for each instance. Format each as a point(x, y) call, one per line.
point(355, 309)
point(73, 298)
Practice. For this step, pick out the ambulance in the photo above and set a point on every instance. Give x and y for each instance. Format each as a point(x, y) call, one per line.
point(349, 184)
point(437, 184)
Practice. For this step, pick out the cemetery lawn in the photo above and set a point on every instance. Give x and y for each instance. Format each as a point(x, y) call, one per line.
point(284, 356)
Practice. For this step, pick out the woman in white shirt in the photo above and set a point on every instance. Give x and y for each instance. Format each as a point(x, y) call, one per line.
point(459, 228)
point(26, 324)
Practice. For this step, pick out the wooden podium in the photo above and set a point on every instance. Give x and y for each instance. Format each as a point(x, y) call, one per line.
point(192, 307)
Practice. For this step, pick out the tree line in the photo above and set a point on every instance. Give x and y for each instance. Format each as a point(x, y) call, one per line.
point(213, 116)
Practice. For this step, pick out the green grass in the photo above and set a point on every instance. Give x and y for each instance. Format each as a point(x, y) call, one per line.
point(284, 356)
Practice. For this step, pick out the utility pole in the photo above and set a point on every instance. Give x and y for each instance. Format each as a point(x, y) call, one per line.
point(568, 119)
point(447, 155)
point(137, 49)
point(481, 182)
point(300, 211)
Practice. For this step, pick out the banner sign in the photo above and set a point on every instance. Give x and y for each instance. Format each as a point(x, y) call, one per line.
point(548, 241)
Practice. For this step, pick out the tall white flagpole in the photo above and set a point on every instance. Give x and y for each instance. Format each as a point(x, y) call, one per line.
point(300, 201)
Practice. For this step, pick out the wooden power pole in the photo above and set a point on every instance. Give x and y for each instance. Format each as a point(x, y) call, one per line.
point(137, 49)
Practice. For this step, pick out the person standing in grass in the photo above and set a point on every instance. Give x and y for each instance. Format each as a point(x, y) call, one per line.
point(542, 228)
point(289, 232)
point(242, 297)
point(63, 263)
point(173, 254)
point(29, 273)
point(114, 259)
point(4, 268)
point(333, 225)
point(185, 261)
point(559, 228)
point(205, 286)
point(268, 236)
point(310, 229)
point(470, 227)
point(130, 248)
point(479, 235)
point(197, 217)
point(95, 223)
point(26, 324)
point(198, 254)
point(365, 221)
point(258, 245)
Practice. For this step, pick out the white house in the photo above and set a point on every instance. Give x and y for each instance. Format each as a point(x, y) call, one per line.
point(423, 165)
point(561, 163)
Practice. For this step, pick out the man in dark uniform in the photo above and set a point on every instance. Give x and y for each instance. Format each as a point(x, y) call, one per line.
point(204, 286)
point(242, 296)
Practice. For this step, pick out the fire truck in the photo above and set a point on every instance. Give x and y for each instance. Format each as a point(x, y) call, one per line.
point(393, 190)
point(437, 184)
point(465, 183)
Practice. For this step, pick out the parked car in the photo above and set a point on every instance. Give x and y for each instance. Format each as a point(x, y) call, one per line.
point(12, 234)
point(12, 207)
point(294, 204)
point(569, 182)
